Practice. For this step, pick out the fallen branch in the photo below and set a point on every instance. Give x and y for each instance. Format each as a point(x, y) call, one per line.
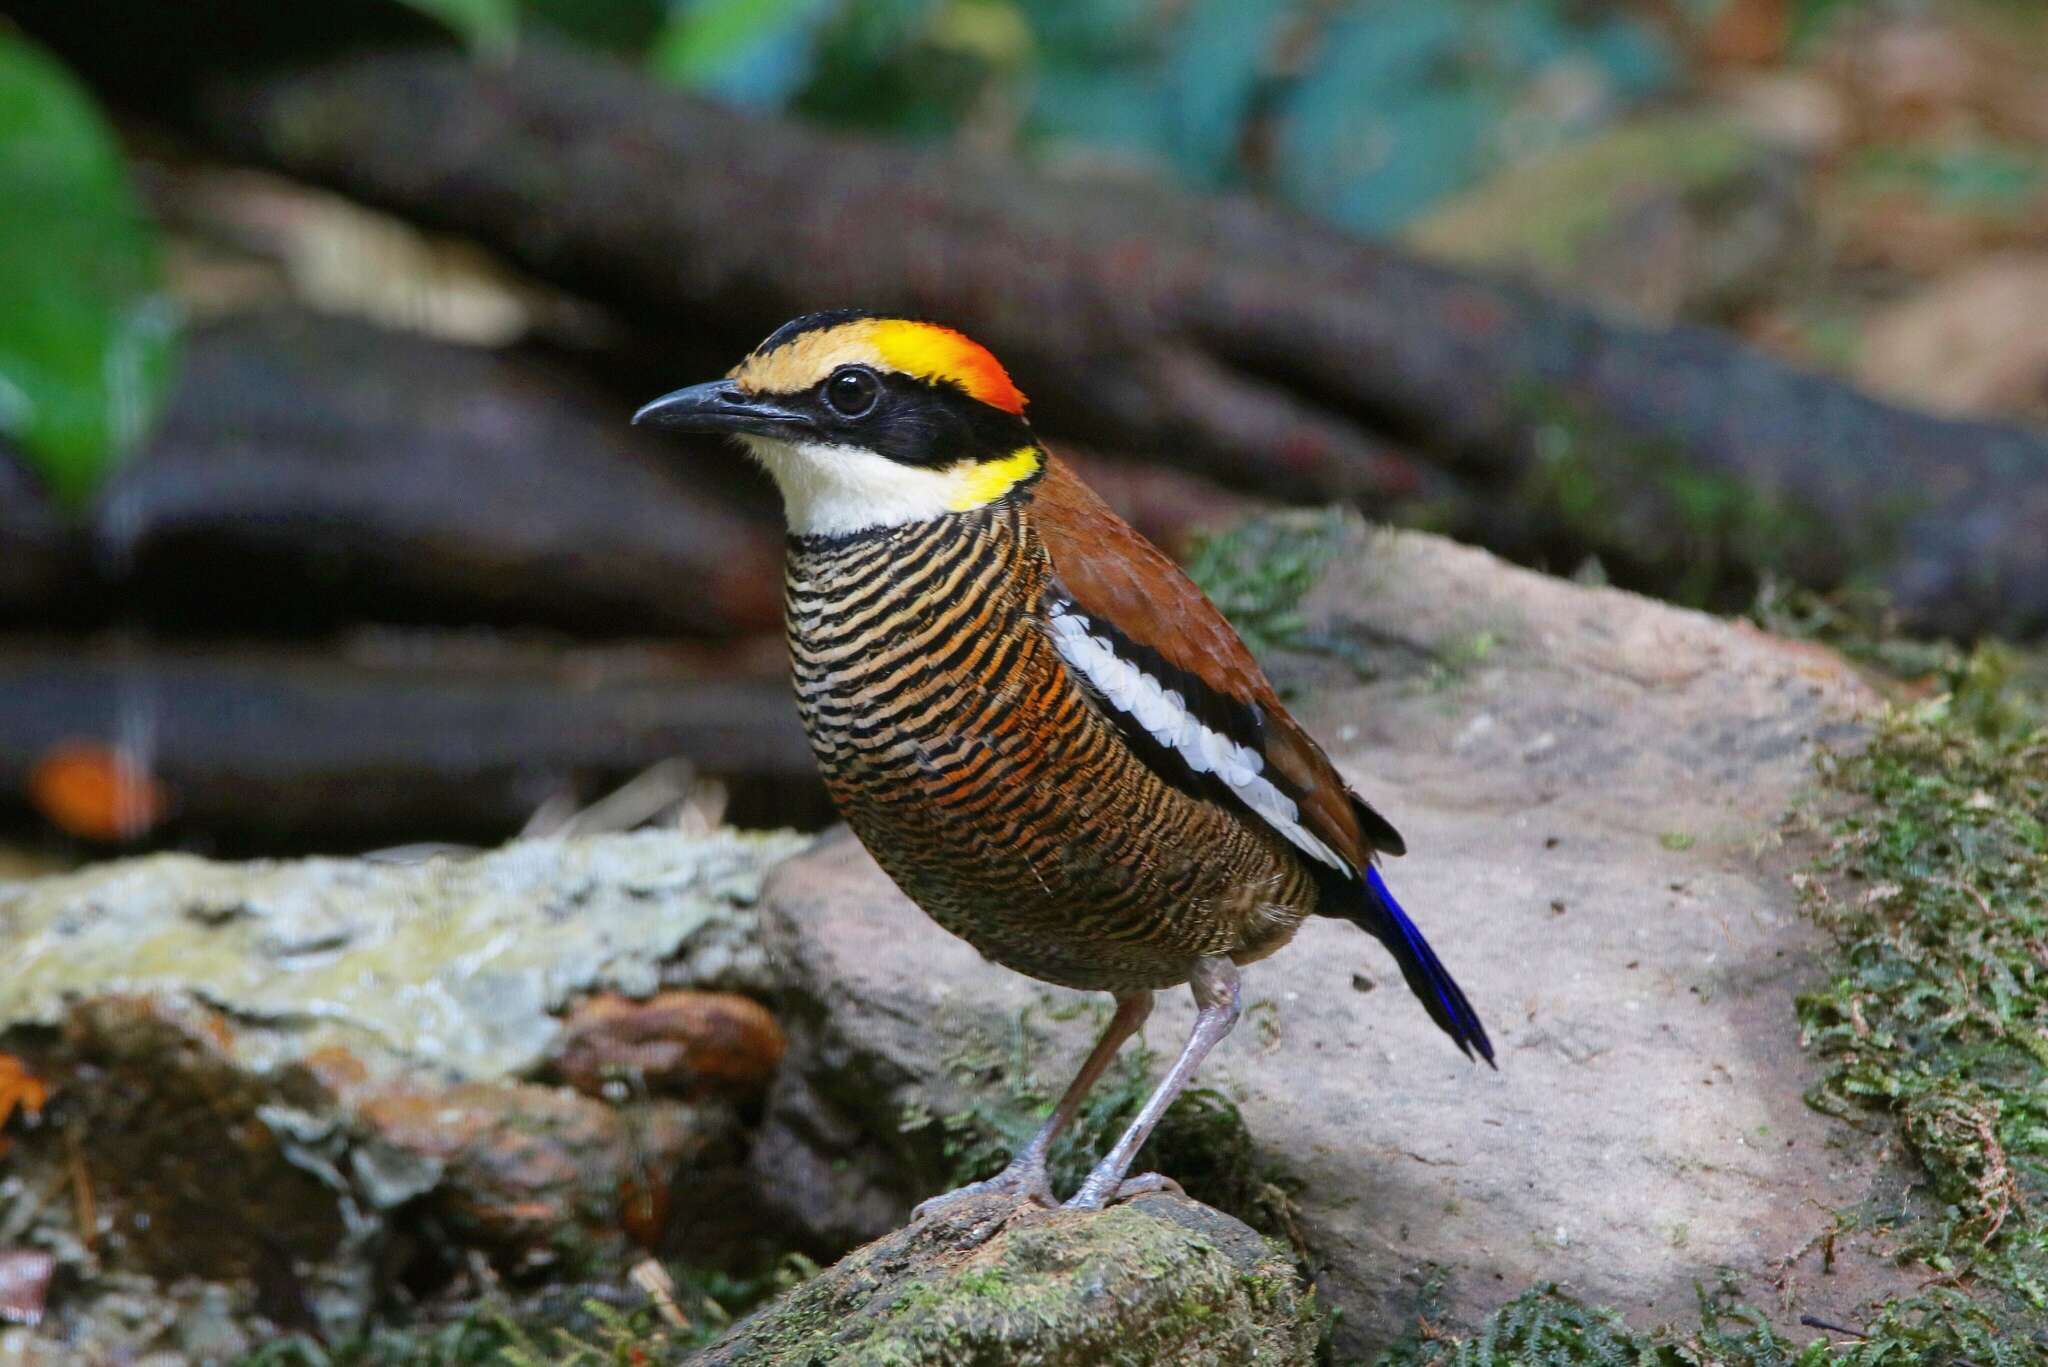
point(313, 471)
point(44, 568)
point(1220, 333)
point(456, 741)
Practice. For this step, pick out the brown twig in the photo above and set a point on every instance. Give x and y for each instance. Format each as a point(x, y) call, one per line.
point(85, 1210)
point(1816, 1322)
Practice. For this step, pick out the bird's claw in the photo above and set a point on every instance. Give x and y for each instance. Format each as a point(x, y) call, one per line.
point(1094, 1197)
point(1027, 1183)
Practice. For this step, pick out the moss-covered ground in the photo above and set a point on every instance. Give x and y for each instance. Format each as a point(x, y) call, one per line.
point(1660, 523)
point(1545, 1328)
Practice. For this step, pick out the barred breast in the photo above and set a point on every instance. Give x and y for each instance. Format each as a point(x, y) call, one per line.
point(980, 775)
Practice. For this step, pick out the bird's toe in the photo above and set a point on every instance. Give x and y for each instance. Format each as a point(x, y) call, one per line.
point(1145, 1183)
point(1024, 1185)
point(1092, 1196)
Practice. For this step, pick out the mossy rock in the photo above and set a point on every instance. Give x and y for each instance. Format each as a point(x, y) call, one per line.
point(1682, 214)
point(1158, 1280)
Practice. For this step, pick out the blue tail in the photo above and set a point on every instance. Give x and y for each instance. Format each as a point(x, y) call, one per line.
point(1426, 975)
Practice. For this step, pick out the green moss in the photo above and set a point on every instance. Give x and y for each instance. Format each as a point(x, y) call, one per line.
point(1546, 1328)
point(486, 1335)
point(1258, 573)
point(1457, 657)
point(1935, 889)
point(1546, 216)
point(1986, 179)
point(560, 1328)
point(1859, 622)
point(471, 1340)
point(1134, 1285)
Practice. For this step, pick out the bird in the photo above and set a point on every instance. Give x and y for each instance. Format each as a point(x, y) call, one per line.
point(1036, 723)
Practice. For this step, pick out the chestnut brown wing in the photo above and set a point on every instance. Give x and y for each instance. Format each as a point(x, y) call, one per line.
point(1120, 580)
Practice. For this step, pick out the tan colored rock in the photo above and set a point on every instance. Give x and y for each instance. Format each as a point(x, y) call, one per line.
point(1591, 785)
point(1972, 343)
point(684, 1044)
point(536, 1175)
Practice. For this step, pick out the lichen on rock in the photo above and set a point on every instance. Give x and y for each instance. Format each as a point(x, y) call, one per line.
point(454, 963)
point(285, 1083)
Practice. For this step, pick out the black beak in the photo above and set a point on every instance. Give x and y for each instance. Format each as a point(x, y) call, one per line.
point(721, 406)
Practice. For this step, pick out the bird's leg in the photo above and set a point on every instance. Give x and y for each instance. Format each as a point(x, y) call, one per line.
point(1026, 1175)
point(1215, 985)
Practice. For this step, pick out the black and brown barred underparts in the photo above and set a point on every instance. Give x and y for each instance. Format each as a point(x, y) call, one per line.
point(973, 763)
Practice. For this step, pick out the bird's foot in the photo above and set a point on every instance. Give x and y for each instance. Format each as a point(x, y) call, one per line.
point(1026, 1181)
point(1095, 1195)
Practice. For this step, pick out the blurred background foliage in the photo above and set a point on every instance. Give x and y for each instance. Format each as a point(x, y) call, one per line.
point(1453, 124)
point(1366, 112)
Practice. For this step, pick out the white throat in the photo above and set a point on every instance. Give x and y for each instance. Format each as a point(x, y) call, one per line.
point(831, 490)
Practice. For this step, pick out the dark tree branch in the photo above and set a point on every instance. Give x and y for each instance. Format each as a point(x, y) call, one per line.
point(1339, 368)
point(45, 565)
point(1324, 357)
point(320, 749)
point(313, 471)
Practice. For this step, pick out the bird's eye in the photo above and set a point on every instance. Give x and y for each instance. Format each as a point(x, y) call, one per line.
point(852, 391)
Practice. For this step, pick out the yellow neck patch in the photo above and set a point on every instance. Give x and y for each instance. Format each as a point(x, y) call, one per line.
point(981, 485)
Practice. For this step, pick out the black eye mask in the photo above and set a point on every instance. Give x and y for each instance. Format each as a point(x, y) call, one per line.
point(910, 421)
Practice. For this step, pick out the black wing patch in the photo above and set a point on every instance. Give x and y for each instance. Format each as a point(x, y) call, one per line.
point(1204, 743)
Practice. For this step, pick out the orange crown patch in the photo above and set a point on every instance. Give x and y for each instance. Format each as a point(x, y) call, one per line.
point(932, 352)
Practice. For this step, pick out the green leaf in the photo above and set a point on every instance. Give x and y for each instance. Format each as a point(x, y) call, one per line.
point(753, 51)
point(85, 331)
point(487, 26)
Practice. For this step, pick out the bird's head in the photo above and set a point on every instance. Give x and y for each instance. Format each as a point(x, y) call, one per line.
point(868, 422)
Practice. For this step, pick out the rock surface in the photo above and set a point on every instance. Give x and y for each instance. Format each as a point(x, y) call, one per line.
point(687, 1044)
point(1591, 785)
point(1158, 1280)
point(275, 1087)
point(448, 962)
point(1969, 343)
